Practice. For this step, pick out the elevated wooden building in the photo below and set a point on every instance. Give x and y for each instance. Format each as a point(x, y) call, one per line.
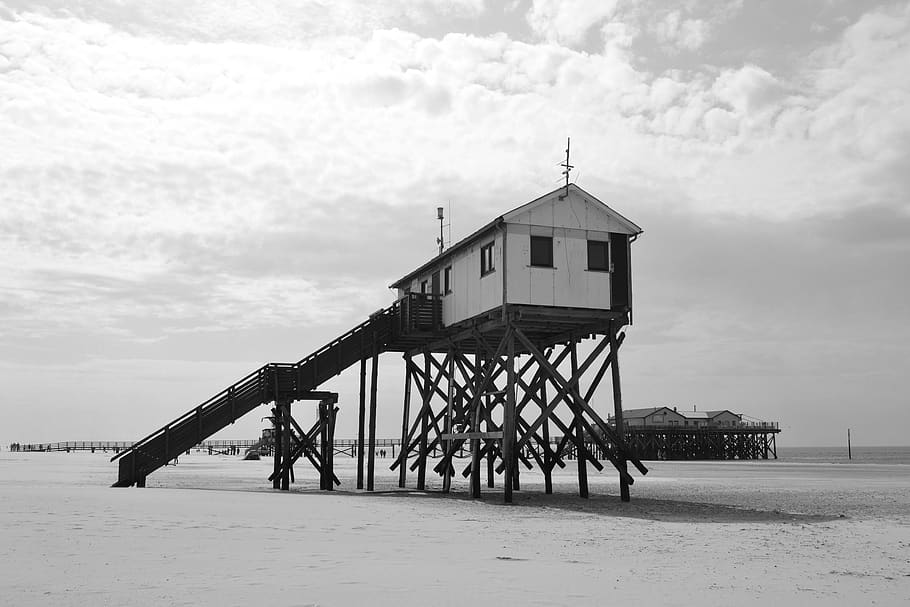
point(664, 433)
point(489, 330)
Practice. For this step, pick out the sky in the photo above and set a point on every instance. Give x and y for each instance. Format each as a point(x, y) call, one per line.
point(190, 189)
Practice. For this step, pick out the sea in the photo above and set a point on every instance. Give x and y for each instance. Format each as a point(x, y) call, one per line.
point(840, 455)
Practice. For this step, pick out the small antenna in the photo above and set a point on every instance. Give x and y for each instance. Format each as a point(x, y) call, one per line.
point(568, 167)
point(440, 240)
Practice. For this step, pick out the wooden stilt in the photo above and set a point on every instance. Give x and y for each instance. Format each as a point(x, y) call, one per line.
point(475, 442)
point(424, 426)
point(285, 408)
point(617, 414)
point(446, 477)
point(361, 421)
point(276, 440)
point(329, 460)
point(402, 472)
point(371, 456)
point(324, 481)
point(508, 436)
point(548, 461)
point(491, 453)
point(579, 432)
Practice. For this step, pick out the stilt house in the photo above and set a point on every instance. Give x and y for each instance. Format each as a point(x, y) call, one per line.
point(565, 249)
point(484, 328)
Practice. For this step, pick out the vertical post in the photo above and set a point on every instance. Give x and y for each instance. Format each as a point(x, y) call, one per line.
point(371, 456)
point(475, 427)
point(617, 415)
point(491, 460)
point(424, 425)
point(405, 414)
point(579, 430)
point(276, 440)
point(508, 418)
point(361, 420)
point(286, 446)
point(447, 443)
point(548, 463)
point(329, 461)
point(849, 448)
point(324, 478)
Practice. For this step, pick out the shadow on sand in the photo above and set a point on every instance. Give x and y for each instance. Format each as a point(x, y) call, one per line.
point(654, 509)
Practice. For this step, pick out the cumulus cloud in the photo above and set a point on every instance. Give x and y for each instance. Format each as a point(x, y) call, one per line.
point(680, 32)
point(139, 157)
point(569, 21)
point(748, 89)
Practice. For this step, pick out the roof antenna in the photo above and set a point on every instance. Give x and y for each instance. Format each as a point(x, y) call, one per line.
point(568, 167)
point(440, 240)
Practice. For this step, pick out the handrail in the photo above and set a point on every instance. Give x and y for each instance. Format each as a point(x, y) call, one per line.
point(242, 383)
point(190, 413)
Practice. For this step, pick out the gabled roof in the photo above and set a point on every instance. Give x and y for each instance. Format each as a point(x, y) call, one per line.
point(529, 206)
point(504, 218)
point(643, 413)
point(694, 415)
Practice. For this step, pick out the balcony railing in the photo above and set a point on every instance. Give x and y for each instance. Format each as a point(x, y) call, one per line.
point(419, 312)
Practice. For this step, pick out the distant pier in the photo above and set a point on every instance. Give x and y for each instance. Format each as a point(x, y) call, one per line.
point(745, 441)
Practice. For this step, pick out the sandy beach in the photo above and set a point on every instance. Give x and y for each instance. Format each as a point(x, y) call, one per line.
point(212, 531)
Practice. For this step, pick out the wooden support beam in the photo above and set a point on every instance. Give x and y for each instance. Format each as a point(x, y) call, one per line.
point(306, 447)
point(579, 432)
point(471, 435)
point(361, 421)
point(508, 439)
point(322, 414)
point(617, 415)
point(424, 426)
point(549, 411)
point(406, 409)
point(548, 459)
point(285, 408)
point(475, 428)
point(276, 440)
point(491, 454)
point(371, 456)
point(568, 388)
point(446, 437)
point(417, 374)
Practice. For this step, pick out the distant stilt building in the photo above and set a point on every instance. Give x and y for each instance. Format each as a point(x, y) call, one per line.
point(664, 433)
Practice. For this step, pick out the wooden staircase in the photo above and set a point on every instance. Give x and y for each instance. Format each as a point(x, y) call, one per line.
point(415, 313)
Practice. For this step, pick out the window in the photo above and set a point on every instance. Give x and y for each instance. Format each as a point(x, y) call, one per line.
point(542, 251)
point(423, 287)
point(486, 259)
point(447, 280)
point(598, 256)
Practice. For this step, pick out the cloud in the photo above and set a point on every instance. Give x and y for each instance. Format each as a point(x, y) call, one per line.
point(194, 169)
point(748, 89)
point(293, 22)
point(568, 22)
point(674, 30)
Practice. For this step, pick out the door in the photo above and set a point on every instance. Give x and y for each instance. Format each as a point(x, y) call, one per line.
point(621, 275)
point(437, 300)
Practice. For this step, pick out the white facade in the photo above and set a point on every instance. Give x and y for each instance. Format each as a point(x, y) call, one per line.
point(570, 222)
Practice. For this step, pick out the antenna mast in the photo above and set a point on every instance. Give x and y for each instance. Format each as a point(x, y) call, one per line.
point(568, 167)
point(440, 241)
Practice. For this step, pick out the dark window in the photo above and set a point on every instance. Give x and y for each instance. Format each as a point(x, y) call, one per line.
point(486, 259)
point(423, 286)
point(598, 255)
point(447, 280)
point(542, 251)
